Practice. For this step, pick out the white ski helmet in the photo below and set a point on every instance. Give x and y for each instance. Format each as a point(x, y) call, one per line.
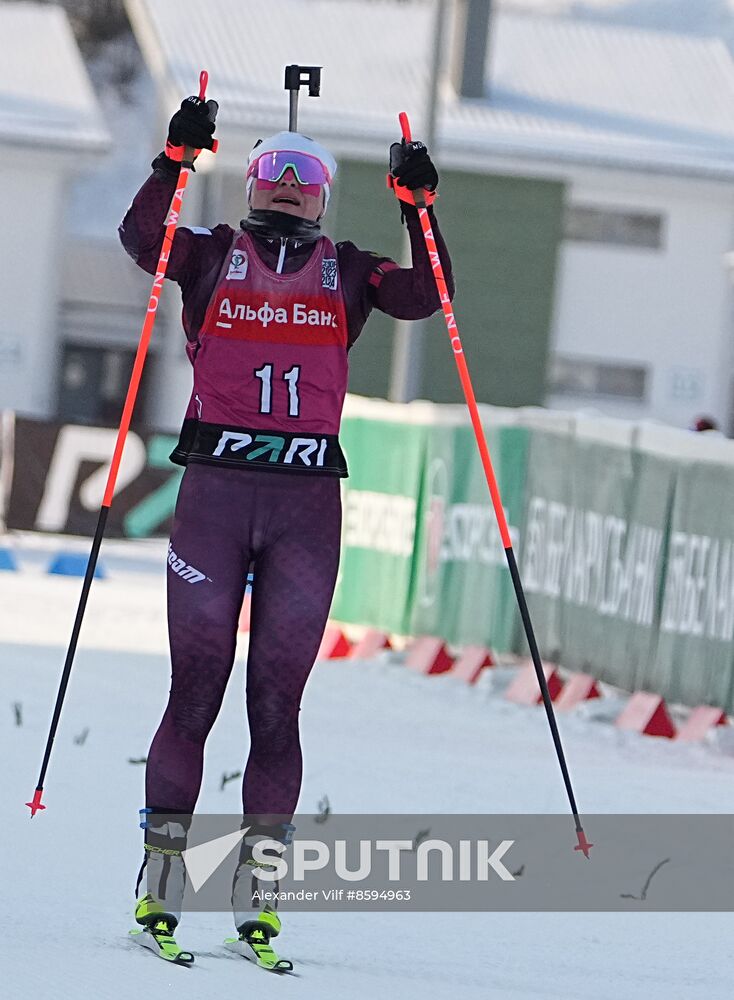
point(284, 142)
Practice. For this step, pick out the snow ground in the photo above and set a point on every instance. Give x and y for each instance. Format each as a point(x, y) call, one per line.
point(377, 739)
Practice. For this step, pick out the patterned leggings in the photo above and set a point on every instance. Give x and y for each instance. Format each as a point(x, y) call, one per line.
point(289, 526)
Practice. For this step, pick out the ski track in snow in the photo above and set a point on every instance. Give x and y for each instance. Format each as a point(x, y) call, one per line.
point(376, 739)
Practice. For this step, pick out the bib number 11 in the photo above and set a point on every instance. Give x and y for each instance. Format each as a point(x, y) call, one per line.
point(265, 374)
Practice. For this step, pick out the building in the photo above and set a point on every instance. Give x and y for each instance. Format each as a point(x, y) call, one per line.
point(51, 129)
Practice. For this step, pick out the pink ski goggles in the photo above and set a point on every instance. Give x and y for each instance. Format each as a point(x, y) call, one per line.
point(309, 172)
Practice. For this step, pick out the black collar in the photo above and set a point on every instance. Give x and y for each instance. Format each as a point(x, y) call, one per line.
point(281, 225)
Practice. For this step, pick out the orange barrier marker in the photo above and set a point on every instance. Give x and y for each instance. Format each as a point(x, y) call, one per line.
point(646, 713)
point(699, 722)
point(371, 643)
point(470, 663)
point(578, 688)
point(428, 655)
point(525, 689)
point(334, 645)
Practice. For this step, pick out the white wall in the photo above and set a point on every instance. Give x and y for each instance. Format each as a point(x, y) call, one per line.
point(31, 241)
point(667, 309)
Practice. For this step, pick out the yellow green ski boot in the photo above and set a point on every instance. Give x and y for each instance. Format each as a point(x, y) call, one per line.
point(256, 932)
point(158, 910)
point(253, 942)
point(157, 932)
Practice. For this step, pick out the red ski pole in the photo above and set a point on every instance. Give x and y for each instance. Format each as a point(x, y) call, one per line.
point(172, 218)
point(419, 199)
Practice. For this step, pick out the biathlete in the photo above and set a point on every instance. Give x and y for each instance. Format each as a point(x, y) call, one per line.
point(270, 312)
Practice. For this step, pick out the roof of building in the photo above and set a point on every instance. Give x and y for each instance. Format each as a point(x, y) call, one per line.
point(46, 97)
point(558, 90)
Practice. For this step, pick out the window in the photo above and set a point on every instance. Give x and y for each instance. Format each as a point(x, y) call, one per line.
point(93, 384)
point(584, 377)
point(613, 226)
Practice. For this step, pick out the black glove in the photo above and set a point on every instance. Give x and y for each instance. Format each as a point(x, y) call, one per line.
point(193, 124)
point(412, 167)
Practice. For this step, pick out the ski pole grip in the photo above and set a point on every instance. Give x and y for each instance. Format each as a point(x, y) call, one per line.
point(203, 84)
point(419, 198)
point(405, 126)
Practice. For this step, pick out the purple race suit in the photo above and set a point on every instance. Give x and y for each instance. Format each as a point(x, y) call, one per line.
point(268, 337)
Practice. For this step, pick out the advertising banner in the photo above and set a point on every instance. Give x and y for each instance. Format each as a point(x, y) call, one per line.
point(60, 472)
point(593, 554)
point(380, 504)
point(696, 639)
point(463, 591)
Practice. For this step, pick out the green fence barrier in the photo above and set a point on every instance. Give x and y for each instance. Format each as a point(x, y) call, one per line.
point(694, 662)
point(592, 555)
point(379, 520)
point(463, 590)
point(626, 555)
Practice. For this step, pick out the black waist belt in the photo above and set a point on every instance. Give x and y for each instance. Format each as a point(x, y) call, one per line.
point(241, 447)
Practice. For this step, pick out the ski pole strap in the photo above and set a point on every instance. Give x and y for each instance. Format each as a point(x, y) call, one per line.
point(403, 193)
point(176, 153)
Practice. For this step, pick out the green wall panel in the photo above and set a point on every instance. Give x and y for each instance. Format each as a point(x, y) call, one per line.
point(503, 234)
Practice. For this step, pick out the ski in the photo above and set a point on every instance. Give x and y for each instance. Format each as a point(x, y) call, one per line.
point(163, 945)
point(259, 953)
